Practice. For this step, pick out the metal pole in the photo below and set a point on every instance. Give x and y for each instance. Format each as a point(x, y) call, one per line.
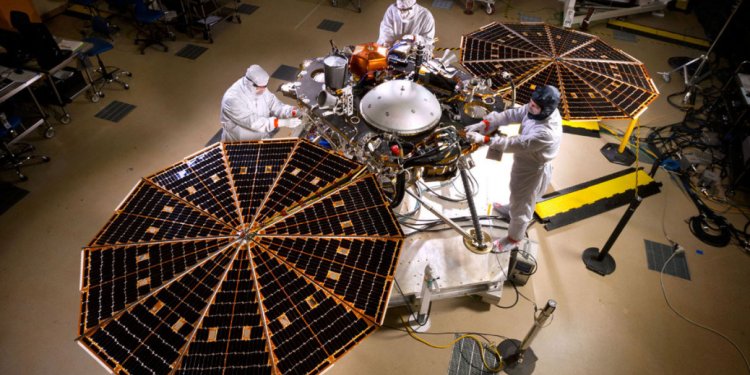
point(711, 48)
point(626, 138)
point(600, 261)
point(437, 213)
point(426, 297)
point(519, 357)
point(620, 226)
point(470, 201)
point(538, 325)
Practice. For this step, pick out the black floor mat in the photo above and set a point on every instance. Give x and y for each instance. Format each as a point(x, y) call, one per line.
point(115, 111)
point(10, 195)
point(247, 8)
point(285, 73)
point(191, 51)
point(330, 25)
point(658, 253)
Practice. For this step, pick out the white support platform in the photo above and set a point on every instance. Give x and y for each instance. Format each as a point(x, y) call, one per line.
point(459, 272)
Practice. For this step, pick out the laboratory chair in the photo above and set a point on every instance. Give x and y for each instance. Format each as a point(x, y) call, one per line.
point(107, 74)
point(15, 55)
point(38, 40)
point(151, 30)
point(15, 156)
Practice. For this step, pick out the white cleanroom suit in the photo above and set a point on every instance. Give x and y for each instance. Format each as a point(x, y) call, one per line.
point(537, 143)
point(398, 22)
point(250, 112)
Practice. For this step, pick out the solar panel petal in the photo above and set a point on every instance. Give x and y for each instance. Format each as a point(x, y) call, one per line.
point(149, 215)
point(203, 181)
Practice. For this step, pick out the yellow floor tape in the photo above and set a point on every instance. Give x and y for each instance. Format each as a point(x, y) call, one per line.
point(587, 125)
point(659, 34)
point(587, 195)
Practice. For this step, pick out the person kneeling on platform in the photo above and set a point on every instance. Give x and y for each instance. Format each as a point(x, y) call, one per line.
point(536, 145)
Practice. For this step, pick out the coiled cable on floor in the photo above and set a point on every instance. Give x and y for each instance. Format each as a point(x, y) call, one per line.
point(491, 348)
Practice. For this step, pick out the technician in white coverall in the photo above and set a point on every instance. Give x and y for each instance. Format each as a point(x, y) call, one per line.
point(406, 17)
point(250, 112)
point(534, 148)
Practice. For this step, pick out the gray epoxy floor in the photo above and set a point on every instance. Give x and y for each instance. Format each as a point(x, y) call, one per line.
point(618, 324)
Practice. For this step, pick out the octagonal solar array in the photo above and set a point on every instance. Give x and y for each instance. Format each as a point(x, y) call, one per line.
point(254, 257)
point(596, 81)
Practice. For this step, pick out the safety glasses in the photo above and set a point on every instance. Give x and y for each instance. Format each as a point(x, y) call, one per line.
point(254, 85)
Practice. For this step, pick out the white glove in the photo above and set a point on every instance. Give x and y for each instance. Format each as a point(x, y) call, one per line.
point(478, 127)
point(289, 122)
point(475, 137)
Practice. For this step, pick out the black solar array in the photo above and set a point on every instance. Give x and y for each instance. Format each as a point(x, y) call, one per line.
point(149, 337)
point(310, 170)
point(203, 181)
point(596, 80)
point(231, 336)
point(308, 327)
point(356, 270)
point(202, 269)
point(254, 168)
point(353, 211)
point(117, 276)
point(150, 215)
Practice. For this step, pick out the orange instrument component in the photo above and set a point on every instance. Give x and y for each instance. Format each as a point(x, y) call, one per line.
point(368, 58)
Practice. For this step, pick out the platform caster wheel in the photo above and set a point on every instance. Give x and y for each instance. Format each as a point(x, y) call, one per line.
point(94, 98)
point(126, 86)
point(22, 176)
point(65, 119)
point(46, 159)
point(49, 133)
point(490, 9)
point(129, 74)
point(239, 20)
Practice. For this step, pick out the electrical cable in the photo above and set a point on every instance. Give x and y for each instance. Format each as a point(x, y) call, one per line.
point(664, 293)
point(491, 348)
point(471, 335)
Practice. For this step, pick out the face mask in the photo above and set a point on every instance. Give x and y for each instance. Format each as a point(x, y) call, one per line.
point(406, 14)
point(405, 10)
point(547, 98)
point(253, 87)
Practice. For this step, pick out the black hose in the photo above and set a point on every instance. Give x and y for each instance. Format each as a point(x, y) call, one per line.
point(478, 237)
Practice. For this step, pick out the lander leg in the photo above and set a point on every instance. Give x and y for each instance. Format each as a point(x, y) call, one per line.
point(421, 323)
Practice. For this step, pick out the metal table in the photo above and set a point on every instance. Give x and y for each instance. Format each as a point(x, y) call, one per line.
point(78, 49)
point(23, 81)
